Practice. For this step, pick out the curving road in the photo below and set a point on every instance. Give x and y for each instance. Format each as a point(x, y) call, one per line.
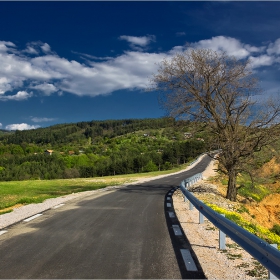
point(122, 234)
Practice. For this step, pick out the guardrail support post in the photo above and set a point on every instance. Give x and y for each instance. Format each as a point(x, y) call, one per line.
point(222, 239)
point(270, 275)
point(201, 218)
point(191, 206)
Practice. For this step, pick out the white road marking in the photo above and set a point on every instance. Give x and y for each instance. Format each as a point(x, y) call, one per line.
point(171, 214)
point(57, 206)
point(3, 231)
point(177, 230)
point(189, 262)
point(168, 204)
point(168, 198)
point(33, 217)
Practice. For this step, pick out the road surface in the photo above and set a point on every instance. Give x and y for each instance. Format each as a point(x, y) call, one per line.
point(121, 234)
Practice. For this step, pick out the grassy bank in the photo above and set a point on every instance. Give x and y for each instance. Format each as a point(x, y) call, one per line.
point(36, 191)
point(258, 230)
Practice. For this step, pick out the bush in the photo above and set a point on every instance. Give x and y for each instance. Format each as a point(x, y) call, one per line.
point(276, 229)
point(150, 166)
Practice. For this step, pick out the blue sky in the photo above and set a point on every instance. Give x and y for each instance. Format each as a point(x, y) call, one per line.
point(63, 62)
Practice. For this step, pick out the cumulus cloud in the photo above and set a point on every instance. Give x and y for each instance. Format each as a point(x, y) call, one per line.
point(21, 95)
point(39, 120)
point(21, 126)
point(92, 57)
point(1, 125)
point(274, 48)
point(46, 48)
point(48, 73)
point(263, 60)
point(138, 42)
point(229, 45)
point(6, 46)
point(37, 47)
point(30, 50)
point(46, 88)
point(240, 50)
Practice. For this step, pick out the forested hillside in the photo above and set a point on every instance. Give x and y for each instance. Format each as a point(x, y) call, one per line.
point(99, 148)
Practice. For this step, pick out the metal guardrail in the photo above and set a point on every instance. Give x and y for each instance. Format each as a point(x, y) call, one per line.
point(262, 251)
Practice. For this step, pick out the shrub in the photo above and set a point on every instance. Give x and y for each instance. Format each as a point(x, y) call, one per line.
point(276, 229)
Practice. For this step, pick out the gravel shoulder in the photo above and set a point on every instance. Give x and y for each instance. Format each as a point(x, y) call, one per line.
point(232, 263)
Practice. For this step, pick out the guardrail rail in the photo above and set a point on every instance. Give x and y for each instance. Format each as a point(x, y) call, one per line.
point(262, 251)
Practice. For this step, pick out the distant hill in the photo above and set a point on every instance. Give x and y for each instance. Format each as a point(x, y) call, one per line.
point(98, 148)
point(79, 132)
point(4, 132)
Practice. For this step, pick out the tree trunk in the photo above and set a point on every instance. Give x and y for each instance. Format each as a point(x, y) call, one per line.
point(231, 189)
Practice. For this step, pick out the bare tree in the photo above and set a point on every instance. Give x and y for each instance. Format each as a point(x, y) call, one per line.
point(220, 91)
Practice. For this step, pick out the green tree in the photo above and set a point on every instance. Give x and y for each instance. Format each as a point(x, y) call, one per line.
point(150, 166)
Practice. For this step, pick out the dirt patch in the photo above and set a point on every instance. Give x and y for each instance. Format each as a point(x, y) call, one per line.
point(269, 168)
point(267, 212)
point(10, 208)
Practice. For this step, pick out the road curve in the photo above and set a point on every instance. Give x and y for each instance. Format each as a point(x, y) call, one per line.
point(122, 234)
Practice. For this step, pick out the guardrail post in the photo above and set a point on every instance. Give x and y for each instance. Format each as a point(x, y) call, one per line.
point(201, 218)
point(222, 239)
point(270, 275)
point(191, 206)
point(268, 257)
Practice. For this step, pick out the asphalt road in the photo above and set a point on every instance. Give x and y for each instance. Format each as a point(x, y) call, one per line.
point(122, 234)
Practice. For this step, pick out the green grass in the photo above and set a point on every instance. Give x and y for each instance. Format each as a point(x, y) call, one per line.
point(260, 231)
point(36, 191)
point(26, 192)
point(257, 191)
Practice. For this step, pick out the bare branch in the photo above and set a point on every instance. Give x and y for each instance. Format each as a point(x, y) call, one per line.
point(220, 91)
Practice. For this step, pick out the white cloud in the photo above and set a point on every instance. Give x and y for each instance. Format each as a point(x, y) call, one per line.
point(138, 41)
point(253, 49)
point(5, 85)
point(46, 48)
point(30, 50)
point(50, 73)
point(39, 120)
point(6, 46)
point(128, 71)
point(21, 126)
point(1, 125)
point(92, 57)
point(263, 60)
point(37, 47)
point(177, 49)
point(274, 48)
point(47, 88)
point(240, 50)
point(21, 95)
point(229, 45)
